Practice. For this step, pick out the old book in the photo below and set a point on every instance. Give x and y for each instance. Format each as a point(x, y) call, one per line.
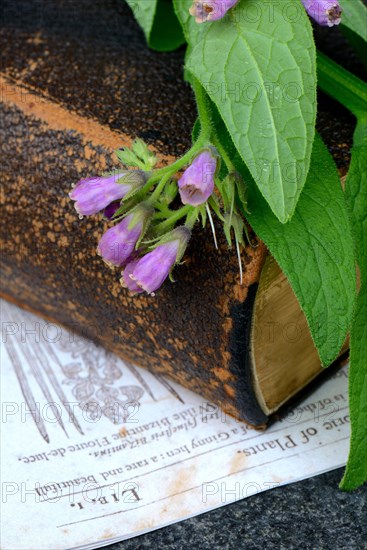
point(66, 106)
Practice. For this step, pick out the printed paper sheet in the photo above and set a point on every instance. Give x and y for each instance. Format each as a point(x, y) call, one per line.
point(95, 450)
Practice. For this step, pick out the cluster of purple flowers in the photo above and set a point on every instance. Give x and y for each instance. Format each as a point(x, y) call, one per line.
point(324, 12)
point(144, 268)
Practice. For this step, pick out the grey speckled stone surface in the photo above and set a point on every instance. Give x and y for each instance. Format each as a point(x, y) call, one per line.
point(312, 514)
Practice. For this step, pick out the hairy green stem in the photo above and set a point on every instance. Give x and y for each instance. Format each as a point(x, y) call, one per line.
point(206, 121)
point(178, 214)
point(223, 153)
point(202, 106)
point(181, 162)
point(191, 218)
point(158, 190)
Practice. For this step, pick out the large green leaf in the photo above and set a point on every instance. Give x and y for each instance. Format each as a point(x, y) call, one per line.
point(354, 17)
point(315, 251)
point(160, 25)
point(260, 71)
point(342, 85)
point(356, 193)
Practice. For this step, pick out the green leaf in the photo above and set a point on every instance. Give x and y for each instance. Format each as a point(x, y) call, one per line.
point(315, 251)
point(144, 13)
point(160, 25)
point(142, 151)
point(342, 85)
point(354, 17)
point(356, 194)
point(139, 156)
point(261, 74)
point(354, 26)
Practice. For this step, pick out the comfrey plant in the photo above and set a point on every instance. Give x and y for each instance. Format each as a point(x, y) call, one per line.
point(256, 159)
point(150, 237)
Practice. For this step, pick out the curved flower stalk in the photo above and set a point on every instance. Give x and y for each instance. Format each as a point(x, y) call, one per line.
point(118, 243)
point(325, 12)
point(149, 237)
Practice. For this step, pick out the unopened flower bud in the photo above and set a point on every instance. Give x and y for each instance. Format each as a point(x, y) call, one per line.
point(197, 182)
point(118, 243)
point(149, 272)
point(93, 194)
point(210, 10)
point(127, 280)
point(325, 12)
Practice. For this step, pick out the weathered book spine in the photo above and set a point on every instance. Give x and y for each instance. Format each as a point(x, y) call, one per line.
point(195, 330)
